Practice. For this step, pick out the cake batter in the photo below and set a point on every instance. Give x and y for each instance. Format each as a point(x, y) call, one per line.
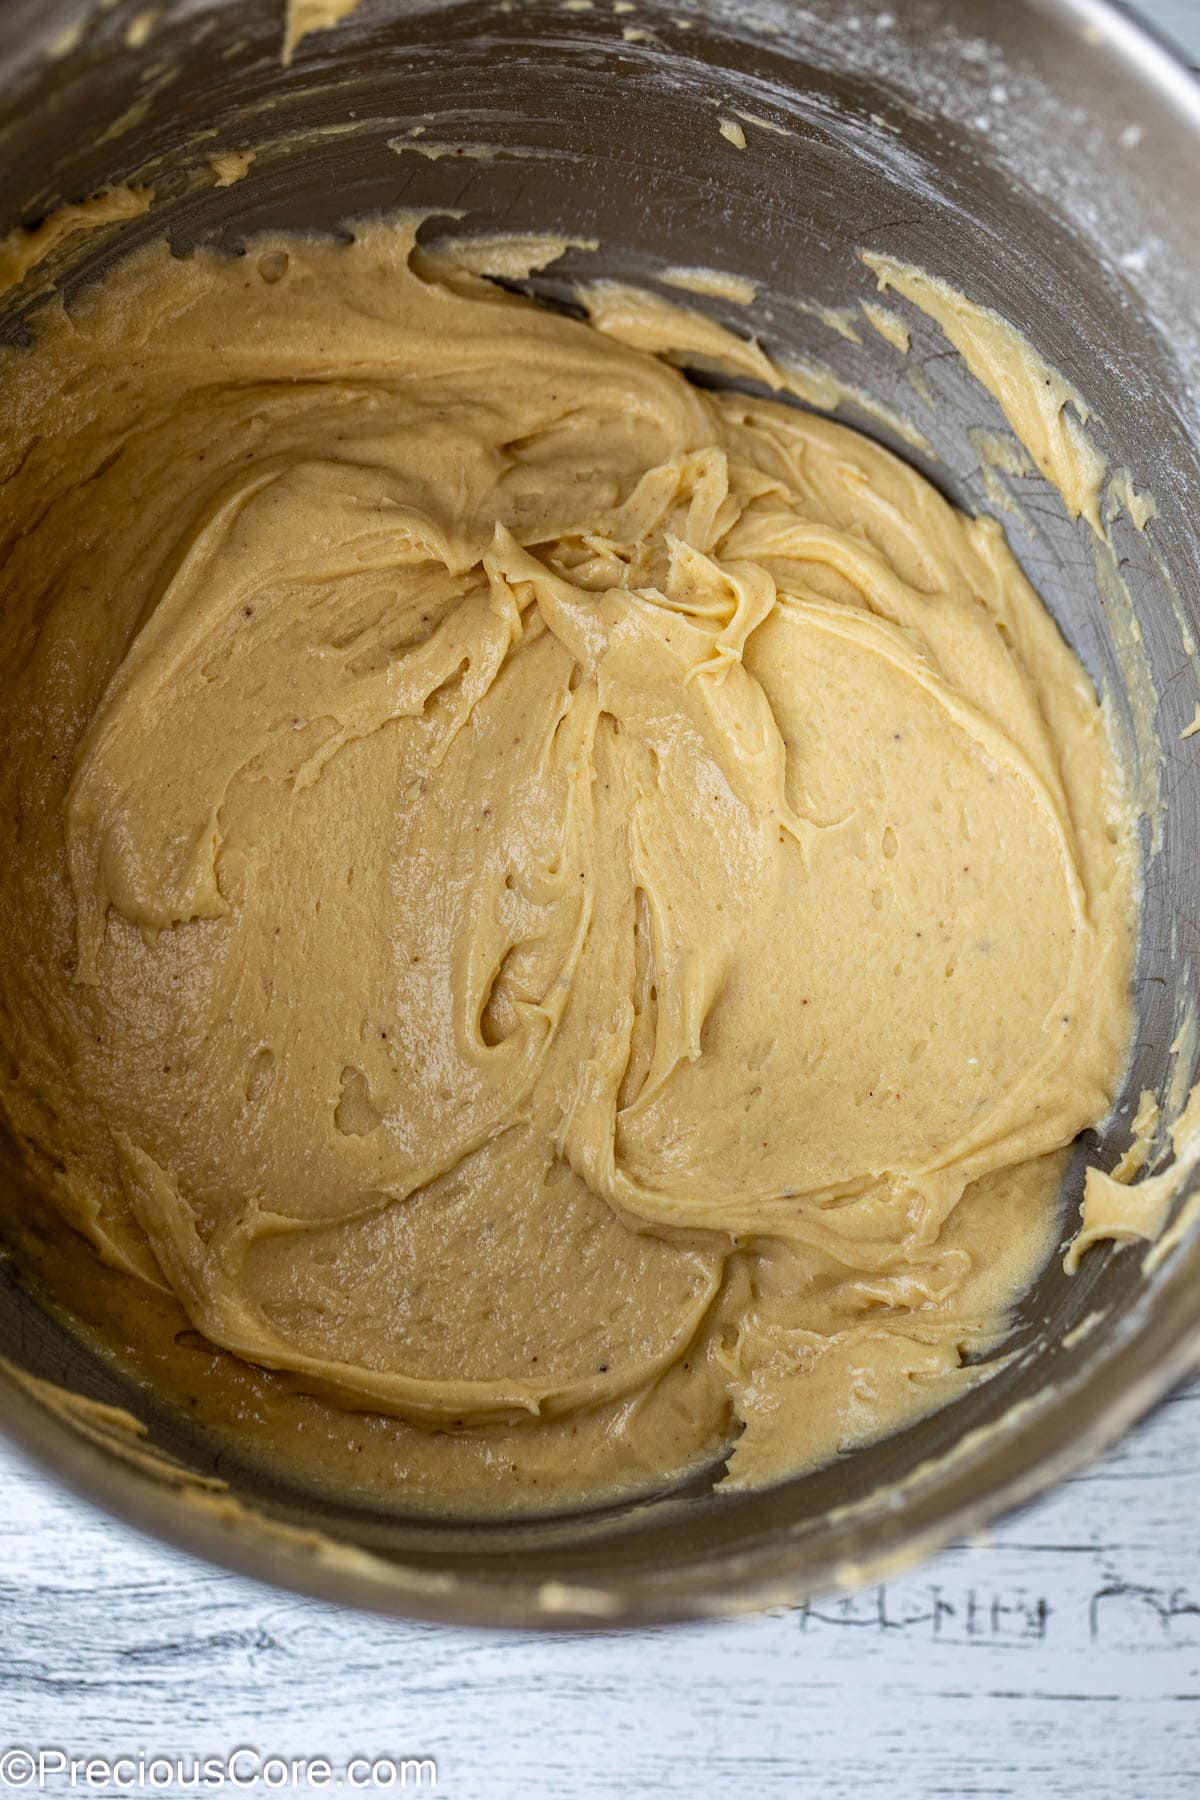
point(555, 927)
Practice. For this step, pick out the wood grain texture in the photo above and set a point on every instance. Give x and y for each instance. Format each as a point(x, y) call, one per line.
point(1060, 1660)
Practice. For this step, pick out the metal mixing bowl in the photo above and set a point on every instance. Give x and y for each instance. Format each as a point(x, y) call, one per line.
point(1041, 155)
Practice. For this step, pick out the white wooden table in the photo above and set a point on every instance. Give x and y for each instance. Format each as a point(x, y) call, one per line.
point(1061, 1659)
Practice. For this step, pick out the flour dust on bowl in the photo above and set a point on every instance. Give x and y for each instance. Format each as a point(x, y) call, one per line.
point(513, 1113)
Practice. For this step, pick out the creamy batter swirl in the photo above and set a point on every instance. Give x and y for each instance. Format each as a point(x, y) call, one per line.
point(567, 918)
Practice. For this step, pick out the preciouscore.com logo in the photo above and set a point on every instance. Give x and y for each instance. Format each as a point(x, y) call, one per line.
point(243, 1770)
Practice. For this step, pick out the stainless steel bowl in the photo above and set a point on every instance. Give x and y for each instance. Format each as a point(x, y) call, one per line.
point(1044, 157)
